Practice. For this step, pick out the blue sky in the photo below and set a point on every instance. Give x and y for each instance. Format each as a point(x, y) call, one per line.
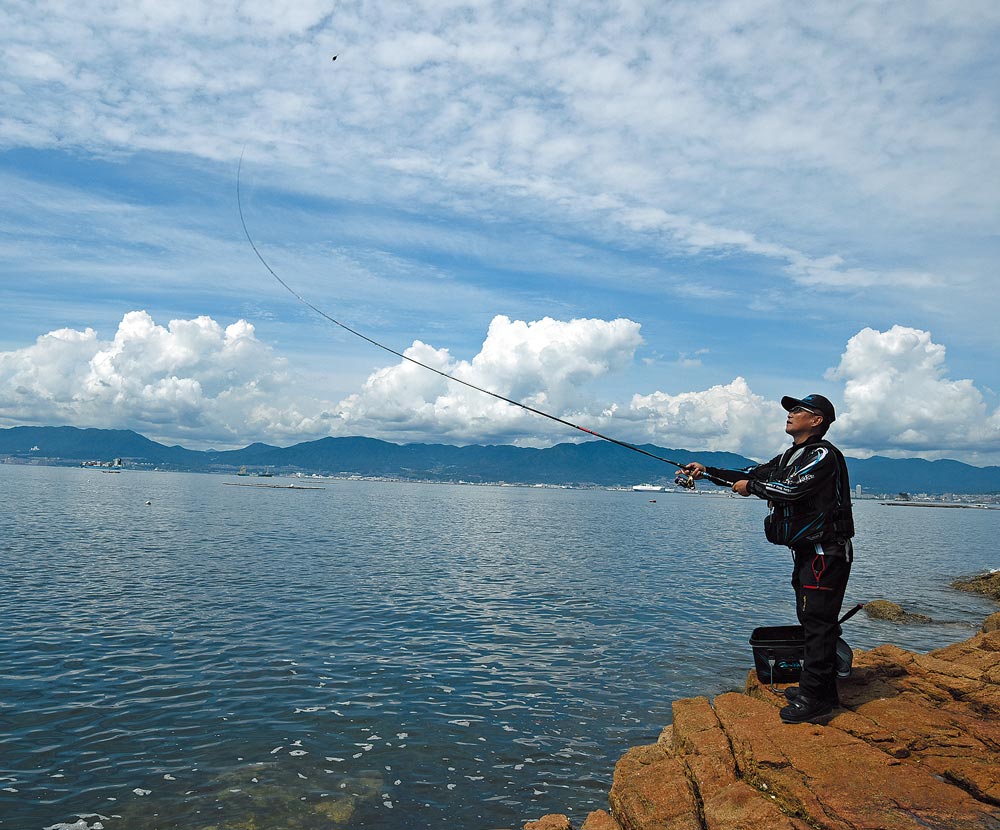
point(653, 219)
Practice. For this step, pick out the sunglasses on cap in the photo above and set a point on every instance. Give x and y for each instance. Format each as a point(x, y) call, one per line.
point(795, 409)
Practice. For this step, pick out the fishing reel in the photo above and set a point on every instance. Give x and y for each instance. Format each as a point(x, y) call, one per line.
point(682, 479)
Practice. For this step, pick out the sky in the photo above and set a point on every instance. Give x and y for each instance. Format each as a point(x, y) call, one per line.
point(651, 219)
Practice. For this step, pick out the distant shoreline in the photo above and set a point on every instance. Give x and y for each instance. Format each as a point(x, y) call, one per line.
point(938, 504)
point(575, 464)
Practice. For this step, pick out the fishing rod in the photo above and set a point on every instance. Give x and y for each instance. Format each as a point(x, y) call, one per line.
point(682, 479)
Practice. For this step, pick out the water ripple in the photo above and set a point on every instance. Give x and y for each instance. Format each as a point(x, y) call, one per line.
point(385, 655)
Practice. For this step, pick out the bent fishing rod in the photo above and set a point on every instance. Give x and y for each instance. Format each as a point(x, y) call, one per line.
point(239, 203)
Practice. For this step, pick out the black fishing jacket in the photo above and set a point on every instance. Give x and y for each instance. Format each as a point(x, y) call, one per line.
point(808, 491)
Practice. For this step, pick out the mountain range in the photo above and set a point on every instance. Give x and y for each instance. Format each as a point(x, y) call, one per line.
point(591, 463)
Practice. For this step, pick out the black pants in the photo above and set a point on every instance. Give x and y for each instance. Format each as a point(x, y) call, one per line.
point(820, 581)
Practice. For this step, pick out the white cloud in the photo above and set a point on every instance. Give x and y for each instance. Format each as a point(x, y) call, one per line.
point(899, 400)
point(543, 364)
point(728, 417)
point(738, 125)
point(200, 384)
point(191, 381)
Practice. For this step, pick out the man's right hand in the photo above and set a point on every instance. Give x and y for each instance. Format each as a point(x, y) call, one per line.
point(694, 469)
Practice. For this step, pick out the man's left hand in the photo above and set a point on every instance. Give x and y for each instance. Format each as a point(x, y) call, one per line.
point(740, 487)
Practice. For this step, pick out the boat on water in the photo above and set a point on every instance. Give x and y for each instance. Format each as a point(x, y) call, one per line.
point(265, 474)
point(243, 471)
point(647, 488)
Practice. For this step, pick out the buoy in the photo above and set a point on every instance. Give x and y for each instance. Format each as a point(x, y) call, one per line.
point(148, 502)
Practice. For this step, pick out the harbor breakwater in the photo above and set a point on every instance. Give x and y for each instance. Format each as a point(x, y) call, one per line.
point(915, 745)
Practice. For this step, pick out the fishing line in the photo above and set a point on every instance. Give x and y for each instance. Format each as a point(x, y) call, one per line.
point(345, 327)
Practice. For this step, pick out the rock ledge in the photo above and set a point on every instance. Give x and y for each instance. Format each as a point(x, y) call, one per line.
point(915, 746)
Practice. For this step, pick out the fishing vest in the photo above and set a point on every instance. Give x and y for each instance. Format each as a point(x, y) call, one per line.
point(825, 516)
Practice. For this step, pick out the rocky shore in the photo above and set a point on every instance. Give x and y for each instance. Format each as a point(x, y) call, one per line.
point(914, 746)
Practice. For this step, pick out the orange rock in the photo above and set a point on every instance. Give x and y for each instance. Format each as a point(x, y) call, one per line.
point(650, 789)
point(601, 820)
point(553, 821)
point(916, 746)
point(940, 713)
point(728, 803)
point(832, 779)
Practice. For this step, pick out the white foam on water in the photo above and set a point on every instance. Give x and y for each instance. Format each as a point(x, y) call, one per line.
point(82, 823)
point(298, 752)
point(140, 791)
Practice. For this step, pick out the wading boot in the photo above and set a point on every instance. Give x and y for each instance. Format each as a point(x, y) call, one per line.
point(792, 692)
point(806, 710)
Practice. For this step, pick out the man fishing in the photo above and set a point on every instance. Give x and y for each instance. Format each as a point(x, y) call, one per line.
point(808, 491)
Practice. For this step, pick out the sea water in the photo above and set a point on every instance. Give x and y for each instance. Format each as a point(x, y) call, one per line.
point(180, 653)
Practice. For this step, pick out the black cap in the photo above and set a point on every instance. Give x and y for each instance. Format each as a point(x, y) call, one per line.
point(815, 402)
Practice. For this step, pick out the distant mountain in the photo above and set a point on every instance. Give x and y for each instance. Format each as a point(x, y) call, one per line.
point(73, 444)
point(597, 463)
point(916, 475)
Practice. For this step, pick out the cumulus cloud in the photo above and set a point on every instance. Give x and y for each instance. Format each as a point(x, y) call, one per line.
point(840, 150)
point(199, 383)
point(543, 364)
point(728, 417)
point(899, 400)
point(191, 380)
